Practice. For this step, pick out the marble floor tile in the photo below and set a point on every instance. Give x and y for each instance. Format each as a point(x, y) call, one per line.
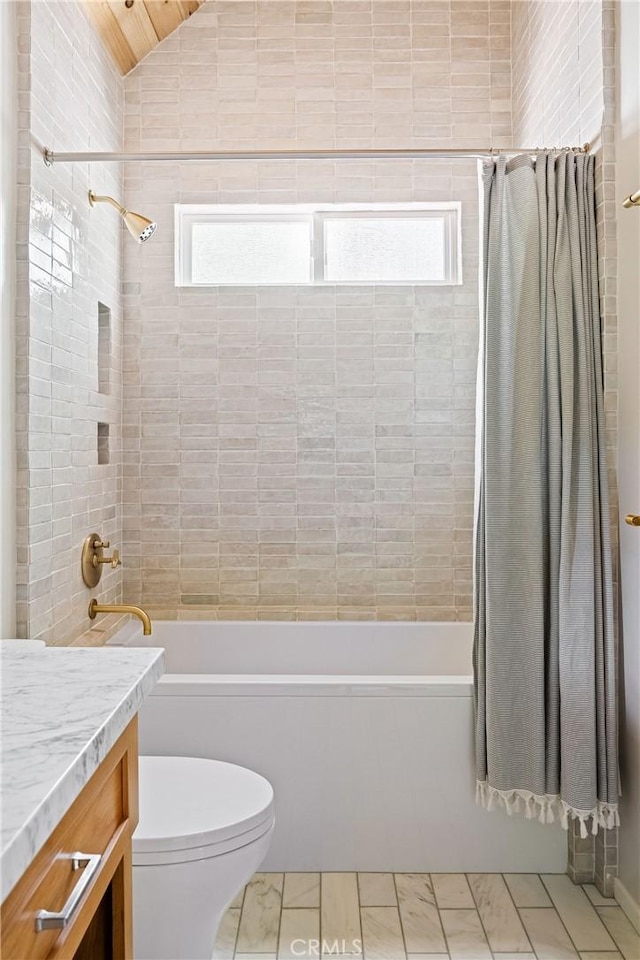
point(465, 936)
point(377, 890)
point(382, 934)
point(576, 911)
point(514, 956)
point(419, 914)
point(340, 909)
point(548, 937)
point(596, 897)
point(301, 890)
point(227, 933)
point(499, 917)
point(237, 901)
point(256, 956)
point(260, 918)
point(285, 916)
point(299, 933)
point(452, 891)
point(622, 930)
point(601, 956)
point(527, 890)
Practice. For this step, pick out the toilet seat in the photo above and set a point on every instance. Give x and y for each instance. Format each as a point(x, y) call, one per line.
point(194, 809)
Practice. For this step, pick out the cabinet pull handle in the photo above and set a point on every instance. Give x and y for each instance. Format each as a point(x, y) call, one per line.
point(49, 920)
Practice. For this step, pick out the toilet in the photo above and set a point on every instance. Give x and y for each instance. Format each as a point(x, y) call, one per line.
point(205, 827)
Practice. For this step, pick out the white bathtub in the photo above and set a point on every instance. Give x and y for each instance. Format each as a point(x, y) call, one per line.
point(364, 730)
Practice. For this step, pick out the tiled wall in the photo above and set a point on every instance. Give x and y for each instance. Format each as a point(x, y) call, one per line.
point(563, 94)
point(288, 452)
point(69, 259)
point(558, 71)
point(306, 452)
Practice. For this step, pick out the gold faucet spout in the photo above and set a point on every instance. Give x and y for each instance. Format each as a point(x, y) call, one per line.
point(95, 608)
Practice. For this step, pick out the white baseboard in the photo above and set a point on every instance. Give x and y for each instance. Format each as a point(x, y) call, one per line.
point(628, 904)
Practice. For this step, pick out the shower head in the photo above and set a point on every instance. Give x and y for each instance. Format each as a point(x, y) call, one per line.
point(138, 226)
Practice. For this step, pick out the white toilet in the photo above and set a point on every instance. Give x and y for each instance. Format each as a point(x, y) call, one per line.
point(204, 829)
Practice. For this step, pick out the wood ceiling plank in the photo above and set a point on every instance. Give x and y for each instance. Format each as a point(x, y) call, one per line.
point(136, 26)
point(131, 32)
point(109, 30)
point(166, 15)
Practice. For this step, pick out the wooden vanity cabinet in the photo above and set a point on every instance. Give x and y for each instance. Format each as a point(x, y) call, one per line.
point(99, 825)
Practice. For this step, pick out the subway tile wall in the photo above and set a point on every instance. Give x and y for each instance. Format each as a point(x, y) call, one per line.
point(288, 452)
point(71, 98)
point(558, 71)
point(306, 452)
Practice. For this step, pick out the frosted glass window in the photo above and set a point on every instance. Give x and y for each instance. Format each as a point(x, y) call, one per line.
point(251, 252)
point(384, 250)
point(306, 243)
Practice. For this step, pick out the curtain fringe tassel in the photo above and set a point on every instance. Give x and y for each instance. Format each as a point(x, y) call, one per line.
point(548, 809)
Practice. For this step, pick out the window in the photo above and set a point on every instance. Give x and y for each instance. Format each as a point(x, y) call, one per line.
point(244, 250)
point(395, 249)
point(222, 245)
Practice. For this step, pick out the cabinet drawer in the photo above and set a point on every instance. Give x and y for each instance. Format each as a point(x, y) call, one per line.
point(104, 811)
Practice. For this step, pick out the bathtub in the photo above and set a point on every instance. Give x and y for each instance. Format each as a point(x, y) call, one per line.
point(364, 729)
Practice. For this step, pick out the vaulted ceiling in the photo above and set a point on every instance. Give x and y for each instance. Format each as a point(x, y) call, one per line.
point(130, 29)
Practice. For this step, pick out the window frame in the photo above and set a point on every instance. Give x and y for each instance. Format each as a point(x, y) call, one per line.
point(316, 215)
point(203, 214)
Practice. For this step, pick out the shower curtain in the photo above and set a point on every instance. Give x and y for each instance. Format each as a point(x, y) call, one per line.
point(544, 654)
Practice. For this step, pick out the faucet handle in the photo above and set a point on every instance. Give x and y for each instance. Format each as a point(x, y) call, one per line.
point(101, 544)
point(114, 559)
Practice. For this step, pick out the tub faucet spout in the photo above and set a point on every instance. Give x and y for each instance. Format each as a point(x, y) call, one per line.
point(95, 608)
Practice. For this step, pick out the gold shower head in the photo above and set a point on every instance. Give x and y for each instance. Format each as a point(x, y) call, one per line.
point(138, 226)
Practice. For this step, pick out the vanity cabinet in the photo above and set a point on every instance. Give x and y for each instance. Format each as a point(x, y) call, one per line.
point(83, 871)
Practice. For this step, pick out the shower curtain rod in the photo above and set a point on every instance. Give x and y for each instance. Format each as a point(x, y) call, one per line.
point(51, 156)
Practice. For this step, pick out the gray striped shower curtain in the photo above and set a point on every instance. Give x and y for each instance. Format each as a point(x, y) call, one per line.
point(544, 648)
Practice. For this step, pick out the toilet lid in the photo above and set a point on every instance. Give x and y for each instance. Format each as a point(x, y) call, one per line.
point(188, 802)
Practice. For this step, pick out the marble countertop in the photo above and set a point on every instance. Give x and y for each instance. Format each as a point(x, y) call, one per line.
point(62, 709)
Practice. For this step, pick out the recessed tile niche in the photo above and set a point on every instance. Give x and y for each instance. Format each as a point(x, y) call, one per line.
point(104, 348)
point(103, 443)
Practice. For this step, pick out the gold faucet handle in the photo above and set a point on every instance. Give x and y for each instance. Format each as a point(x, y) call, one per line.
point(632, 519)
point(114, 559)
